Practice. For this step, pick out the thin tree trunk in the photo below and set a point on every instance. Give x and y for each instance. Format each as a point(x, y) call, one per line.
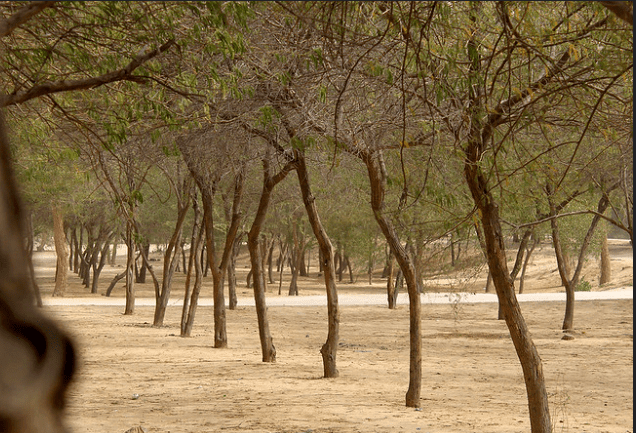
point(35, 288)
point(391, 290)
point(269, 182)
point(62, 252)
point(171, 260)
point(102, 262)
point(377, 177)
point(114, 281)
point(231, 273)
point(329, 349)
point(196, 289)
point(522, 278)
point(606, 269)
point(130, 270)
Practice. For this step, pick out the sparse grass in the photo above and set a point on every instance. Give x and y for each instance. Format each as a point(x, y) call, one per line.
point(583, 286)
point(559, 401)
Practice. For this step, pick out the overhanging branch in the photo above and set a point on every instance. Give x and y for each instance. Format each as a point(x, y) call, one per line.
point(7, 26)
point(124, 74)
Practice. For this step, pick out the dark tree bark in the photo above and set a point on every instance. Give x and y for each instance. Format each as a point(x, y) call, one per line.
point(391, 290)
point(191, 296)
point(114, 281)
point(140, 275)
point(329, 349)
point(479, 136)
point(231, 273)
point(606, 269)
point(130, 269)
point(98, 266)
point(269, 182)
point(376, 170)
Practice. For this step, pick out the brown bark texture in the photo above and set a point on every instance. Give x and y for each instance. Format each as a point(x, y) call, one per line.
point(269, 182)
point(330, 348)
point(61, 249)
point(377, 177)
point(606, 268)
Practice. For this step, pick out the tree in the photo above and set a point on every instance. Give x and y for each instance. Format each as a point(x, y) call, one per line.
point(32, 399)
point(223, 161)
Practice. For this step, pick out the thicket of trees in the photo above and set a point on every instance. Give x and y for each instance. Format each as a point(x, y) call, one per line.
point(406, 123)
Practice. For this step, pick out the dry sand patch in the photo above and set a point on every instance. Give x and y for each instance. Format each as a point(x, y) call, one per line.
point(133, 374)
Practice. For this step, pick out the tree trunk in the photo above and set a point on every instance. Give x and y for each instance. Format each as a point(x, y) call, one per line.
point(171, 259)
point(191, 297)
point(113, 257)
point(115, 280)
point(78, 250)
point(295, 259)
point(269, 182)
point(61, 250)
point(141, 276)
point(130, 269)
point(606, 270)
point(496, 255)
point(100, 265)
point(391, 290)
point(187, 319)
point(535, 242)
point(231, 273)
point(347, 263)
point(377, 177)
point(35, 288)
point(329, 349)
point(571, 283)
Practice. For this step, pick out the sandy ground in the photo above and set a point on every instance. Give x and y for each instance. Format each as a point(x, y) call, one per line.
point(132, 374)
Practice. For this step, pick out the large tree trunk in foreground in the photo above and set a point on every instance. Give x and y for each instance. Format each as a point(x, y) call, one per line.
point(495, 251)
point(62, 252)
point(38, 358)
point(377, 177)
point(330, 347)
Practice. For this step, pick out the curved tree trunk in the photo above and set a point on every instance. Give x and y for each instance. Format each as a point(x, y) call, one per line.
point(269, 182)
point(329, 349)
point(377, 177)
point(496, 255)
point(114, 281)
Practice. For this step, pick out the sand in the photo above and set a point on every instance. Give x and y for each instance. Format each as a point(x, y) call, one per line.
point(132, 374)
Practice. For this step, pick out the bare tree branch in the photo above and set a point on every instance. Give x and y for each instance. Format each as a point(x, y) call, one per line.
point(25, 13)
point(124, 74)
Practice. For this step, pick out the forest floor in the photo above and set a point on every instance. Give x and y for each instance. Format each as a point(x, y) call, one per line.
point(132, 374)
